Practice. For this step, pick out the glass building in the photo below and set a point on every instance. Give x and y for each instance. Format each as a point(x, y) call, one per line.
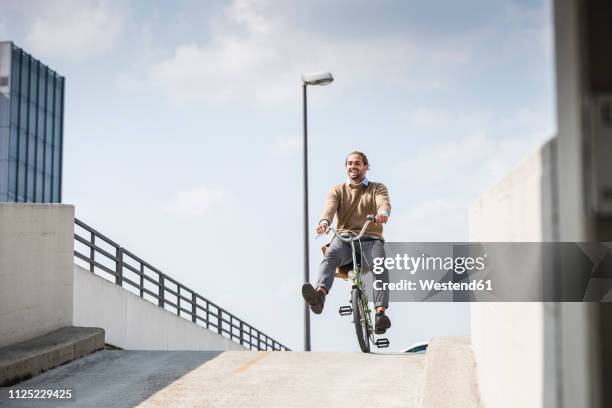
point(31, 128)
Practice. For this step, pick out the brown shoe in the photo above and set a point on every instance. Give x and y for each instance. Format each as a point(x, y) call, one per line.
point(314, 298)
point(382, 323)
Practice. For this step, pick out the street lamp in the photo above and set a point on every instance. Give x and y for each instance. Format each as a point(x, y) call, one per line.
point(315, 78)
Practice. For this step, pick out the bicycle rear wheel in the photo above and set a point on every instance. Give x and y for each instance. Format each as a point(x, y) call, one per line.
point(361, 327)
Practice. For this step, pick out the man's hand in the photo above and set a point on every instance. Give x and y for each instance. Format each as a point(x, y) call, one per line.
point(322, 227)
point(381, 218)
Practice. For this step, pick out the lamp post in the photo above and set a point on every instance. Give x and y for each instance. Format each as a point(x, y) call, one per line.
point(316, 78)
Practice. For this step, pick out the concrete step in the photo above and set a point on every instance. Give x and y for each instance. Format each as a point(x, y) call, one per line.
point(26, 359)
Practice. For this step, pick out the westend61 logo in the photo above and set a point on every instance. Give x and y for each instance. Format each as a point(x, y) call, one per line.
point(494, 271)
point(413, 264)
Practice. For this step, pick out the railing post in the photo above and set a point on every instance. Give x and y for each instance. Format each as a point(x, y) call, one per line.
point(178, 300)
point(92, 252)
point(231, 327)
point(207, 316)
point(193, 307)
point(141, 279)
point(241, 333)
point(160, 299)
point(220, 320)
point(258, 341)
point(119, 269)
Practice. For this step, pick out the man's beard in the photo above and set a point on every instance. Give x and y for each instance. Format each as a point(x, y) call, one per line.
point(356, 175)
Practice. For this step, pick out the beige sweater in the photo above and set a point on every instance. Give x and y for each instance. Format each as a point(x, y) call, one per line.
point(374, 200)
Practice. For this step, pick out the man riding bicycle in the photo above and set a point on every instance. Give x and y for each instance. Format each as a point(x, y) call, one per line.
point(352, 201)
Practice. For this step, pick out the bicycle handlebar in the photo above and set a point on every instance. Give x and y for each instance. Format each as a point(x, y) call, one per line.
point(369, 219)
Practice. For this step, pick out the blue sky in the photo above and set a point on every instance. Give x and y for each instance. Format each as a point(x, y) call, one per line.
point(183, 127)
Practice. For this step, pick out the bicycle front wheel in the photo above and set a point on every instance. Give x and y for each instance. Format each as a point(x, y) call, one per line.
point(359, 319)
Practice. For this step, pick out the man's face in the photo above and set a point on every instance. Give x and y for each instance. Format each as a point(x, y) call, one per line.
point(355, 168)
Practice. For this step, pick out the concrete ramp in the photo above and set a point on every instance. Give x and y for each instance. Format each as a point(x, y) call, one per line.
point(444, 377)
point(293, 379)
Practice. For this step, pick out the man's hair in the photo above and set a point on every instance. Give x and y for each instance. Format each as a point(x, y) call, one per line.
point(364, 158)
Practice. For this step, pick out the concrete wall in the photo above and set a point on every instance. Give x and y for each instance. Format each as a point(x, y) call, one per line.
point(134, 323)
point(514, 356)
point(36, 258)
point(518, 208)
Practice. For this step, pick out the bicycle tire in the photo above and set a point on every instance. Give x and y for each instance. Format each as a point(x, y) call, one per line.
point(358, 319)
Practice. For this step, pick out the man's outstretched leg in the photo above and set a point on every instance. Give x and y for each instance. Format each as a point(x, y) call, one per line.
point(338, 253)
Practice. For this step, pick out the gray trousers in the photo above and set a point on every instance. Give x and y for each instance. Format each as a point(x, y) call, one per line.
point(339, 253)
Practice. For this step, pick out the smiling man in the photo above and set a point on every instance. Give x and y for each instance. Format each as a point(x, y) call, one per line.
point(352, 201)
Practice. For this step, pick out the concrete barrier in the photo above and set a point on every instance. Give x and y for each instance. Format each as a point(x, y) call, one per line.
point(512, 342)
point(133, 323)
point(515, 343)
point(36, 258)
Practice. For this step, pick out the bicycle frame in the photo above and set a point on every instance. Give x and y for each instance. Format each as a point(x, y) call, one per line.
point(357, 275)
point(358, 283)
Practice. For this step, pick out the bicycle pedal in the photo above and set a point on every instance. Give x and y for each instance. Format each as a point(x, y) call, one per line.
point(382, 343)
point(345, 310)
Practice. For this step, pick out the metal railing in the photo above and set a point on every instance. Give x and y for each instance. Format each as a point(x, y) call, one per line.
point(110, 260)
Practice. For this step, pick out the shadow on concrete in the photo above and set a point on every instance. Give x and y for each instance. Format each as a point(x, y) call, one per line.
point(110, 378)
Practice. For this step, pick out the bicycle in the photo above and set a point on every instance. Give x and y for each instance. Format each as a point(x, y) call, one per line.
point(359, 307)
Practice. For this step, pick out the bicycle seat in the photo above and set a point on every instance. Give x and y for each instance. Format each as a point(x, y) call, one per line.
point(342, 271)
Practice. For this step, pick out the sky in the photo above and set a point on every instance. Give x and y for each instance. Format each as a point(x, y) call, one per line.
point(183, 126)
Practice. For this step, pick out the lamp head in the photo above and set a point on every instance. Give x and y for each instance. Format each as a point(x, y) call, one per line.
point(318, 78)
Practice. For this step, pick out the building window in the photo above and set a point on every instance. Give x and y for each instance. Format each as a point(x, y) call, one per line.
point(42, 85)
point(25, 74)
point(35, 131)
point(14, 109)
point(15, 71)
point(33, 80)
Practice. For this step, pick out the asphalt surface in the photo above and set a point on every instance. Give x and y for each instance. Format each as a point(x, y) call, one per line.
point(109, 378)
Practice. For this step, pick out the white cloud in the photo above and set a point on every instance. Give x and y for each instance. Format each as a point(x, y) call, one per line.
point(445, 177)
point(470, 163)
point(259, 54)
point(476, 150)
point(3, 29)
point(256, 50)
point(189, 205)
point(429, 221)
point(244, 13)
point(538, 22)
point(434, 118)
point(266, 67)
point(215, 73)
point(74, 30)
point(286, 145)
